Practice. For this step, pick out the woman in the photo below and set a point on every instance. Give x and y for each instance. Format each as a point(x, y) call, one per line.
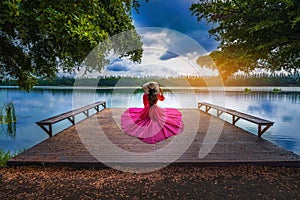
point(152, 124)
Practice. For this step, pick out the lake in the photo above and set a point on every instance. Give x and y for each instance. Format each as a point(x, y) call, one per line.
point(281, 107)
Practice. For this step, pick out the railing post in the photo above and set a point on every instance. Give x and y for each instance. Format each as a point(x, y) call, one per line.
point(259, 133)
point(50, 130)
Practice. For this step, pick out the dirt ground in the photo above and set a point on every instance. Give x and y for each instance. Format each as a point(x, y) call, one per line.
point(240, 182)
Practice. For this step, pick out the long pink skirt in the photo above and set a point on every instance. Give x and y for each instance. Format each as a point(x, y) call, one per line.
point(152, 124)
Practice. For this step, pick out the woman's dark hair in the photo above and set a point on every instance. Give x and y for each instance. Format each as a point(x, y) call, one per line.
point(152, 96)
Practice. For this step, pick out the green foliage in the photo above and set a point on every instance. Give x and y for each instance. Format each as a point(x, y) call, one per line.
point(40, 37)
point(247, 90)
point(252, 33)
point(259, 79)
point(5, 156)
point(58, 81)
point(276, 90)
point(263, 79)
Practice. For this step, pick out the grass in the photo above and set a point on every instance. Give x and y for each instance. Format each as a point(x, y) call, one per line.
point(5, 156)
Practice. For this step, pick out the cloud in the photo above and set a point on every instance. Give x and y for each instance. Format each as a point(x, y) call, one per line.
point(169, 40)
point(154, 70)
point(165, 53)
point(155, 37)
point(175, 15)
point(168, 55)
point(118, 65)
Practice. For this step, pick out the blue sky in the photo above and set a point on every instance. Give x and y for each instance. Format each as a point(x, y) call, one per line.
point(175, 15)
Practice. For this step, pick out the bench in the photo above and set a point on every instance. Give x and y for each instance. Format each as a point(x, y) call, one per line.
point(263, 125)
point(70, 115)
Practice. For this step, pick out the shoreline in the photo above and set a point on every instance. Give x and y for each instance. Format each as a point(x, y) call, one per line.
point(210, 89)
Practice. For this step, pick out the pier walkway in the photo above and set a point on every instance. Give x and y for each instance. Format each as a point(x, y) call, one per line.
point(206, 141)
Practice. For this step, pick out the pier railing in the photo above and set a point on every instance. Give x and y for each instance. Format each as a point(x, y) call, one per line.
point(46, 124)
point(263, 124)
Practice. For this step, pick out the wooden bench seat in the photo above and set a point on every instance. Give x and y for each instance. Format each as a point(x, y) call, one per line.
point(70, 115)
point(263, 124)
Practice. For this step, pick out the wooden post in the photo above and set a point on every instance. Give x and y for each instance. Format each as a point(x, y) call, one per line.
point(72, 119)
point(50, 130)
point(219, 113)
point(262, 131)
point(207, 108)
point(235, 119)
point(259, 131)
point(86, 113)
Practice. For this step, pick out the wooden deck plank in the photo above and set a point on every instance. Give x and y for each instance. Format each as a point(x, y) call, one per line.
point(234, 145)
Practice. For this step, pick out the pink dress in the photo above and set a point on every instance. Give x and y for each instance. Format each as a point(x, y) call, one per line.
point(152, 124)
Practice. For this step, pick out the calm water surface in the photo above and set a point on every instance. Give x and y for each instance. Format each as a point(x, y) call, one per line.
point(283, 108)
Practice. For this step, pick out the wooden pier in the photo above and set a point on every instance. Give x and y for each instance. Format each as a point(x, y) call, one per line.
point(225, 145)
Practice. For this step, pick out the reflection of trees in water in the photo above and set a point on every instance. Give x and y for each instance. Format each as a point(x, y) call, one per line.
point(289, 97)
point(8, 119)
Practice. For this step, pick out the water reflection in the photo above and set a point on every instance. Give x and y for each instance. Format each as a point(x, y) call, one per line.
point(8, 119)
point(282, 108)
point(290, 97)
point(8, 129)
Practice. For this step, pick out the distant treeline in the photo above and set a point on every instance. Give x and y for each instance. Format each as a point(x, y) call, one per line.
point(263, 79)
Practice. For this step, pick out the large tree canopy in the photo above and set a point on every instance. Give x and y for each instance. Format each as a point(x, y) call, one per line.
point(37, 36)
point(252, 33)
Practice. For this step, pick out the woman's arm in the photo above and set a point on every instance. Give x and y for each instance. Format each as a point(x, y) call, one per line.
point(160, 95)
point(145, 100)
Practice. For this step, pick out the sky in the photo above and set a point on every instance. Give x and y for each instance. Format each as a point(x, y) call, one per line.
point(172, 39)
point(175, 15)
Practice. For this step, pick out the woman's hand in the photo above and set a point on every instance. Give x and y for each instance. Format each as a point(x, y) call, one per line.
point(161, 90)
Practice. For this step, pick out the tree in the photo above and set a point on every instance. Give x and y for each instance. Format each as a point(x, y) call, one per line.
point(40, 37)
point(252, 33)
